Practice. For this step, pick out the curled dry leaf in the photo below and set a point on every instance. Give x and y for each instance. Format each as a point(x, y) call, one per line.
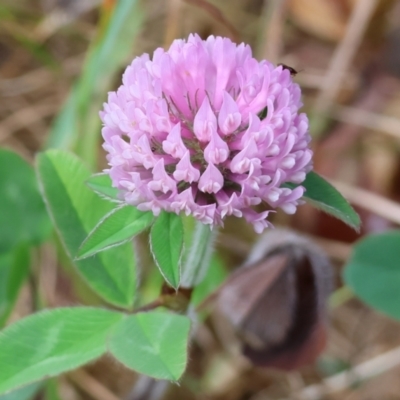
point(276, 302)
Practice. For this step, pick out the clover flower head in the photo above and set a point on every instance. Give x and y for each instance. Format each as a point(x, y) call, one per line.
point(207, 130)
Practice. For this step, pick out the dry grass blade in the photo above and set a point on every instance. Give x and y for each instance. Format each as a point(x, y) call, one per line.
point(61, 17)
point(344, 53)
point(367, 370)
point(25, 117)
point(336, 250)
point(37, 78)
point(91, 386)
point(146, 388)
point(372, 202)
point(315, 79)
point(369, 120)
point(272, 37)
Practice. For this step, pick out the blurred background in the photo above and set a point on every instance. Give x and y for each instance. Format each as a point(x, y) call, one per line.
point(58, 59)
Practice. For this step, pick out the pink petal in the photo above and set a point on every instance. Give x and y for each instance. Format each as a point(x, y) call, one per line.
point(143, 121)
point(161, 181)
point(252, 131)
point(142, 152)
point(212, 180)
point(259, 221)
point(228, 205)
point(242, 161)
point(184, 202)
point(217, 151)
point(205, 214)
point(229, 117)
point(173, 145)
point(205, 122)
point(185, 171)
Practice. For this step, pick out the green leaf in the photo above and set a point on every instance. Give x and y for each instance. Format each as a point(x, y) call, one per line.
point(51, 342)
point(116, 228)
point(102, 185)
point(153, 343)
point(23, 216)
point(322, 195)
point(14, 270)
point(166, 243)
point(75, 210)
point(25, 393)
point(198, 255)
point(373, 272)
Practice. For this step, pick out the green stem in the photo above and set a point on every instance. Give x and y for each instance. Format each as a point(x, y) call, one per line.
point(340, 296)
